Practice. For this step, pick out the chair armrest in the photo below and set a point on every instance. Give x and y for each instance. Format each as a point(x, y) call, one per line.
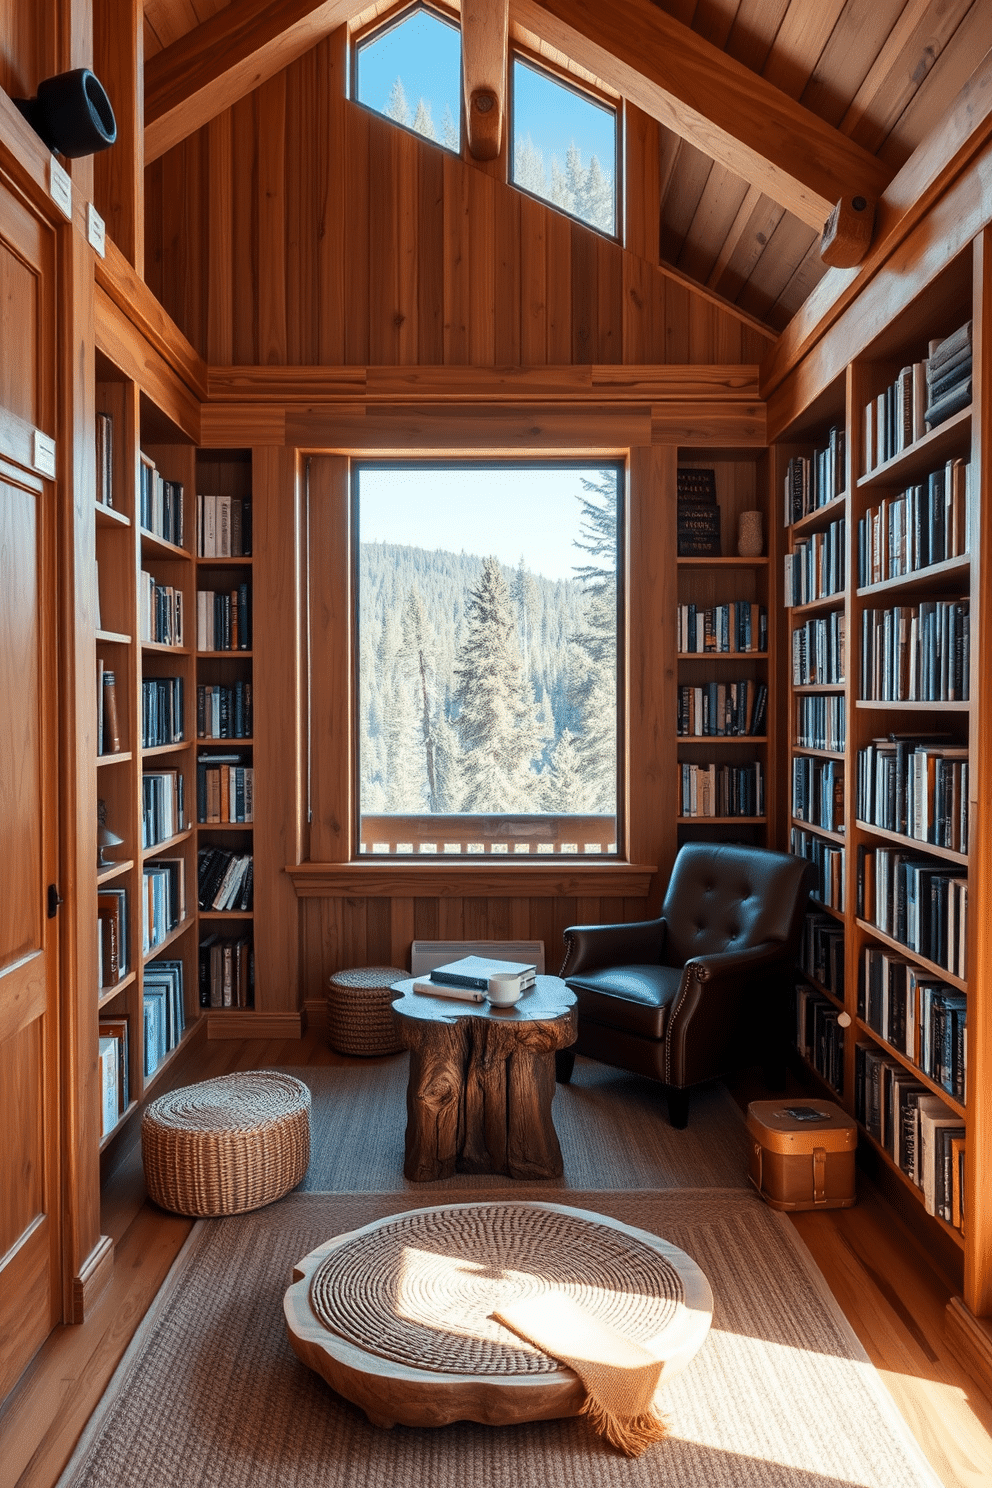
point(734, 963)
point(712, 1009)
point(590, 946)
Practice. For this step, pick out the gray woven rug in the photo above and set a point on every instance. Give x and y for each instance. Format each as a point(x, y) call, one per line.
point(781, 1395)
point(613, 1129)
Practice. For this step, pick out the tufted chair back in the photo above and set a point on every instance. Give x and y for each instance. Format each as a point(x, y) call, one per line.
point(726, 898)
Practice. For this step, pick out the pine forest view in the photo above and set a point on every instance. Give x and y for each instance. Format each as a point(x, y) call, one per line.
point(564, 143)
point(488, 629)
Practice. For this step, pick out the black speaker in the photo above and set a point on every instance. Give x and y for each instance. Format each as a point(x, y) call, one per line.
point(71, 113)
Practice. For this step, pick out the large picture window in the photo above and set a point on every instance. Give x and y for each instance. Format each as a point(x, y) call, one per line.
point(489, 601)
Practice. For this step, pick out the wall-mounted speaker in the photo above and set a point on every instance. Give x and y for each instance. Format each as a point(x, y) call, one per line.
point(71, 113)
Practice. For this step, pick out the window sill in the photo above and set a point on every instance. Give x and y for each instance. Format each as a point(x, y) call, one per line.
point(389, 878)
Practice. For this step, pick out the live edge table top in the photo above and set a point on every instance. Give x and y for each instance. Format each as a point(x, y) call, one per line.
point(547, 1001)
point(482, 1079)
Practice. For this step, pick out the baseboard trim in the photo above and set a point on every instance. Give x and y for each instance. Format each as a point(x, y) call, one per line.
point(315, 1011)
point(244, 1024)
point(93, 1276)
point(970, 1341)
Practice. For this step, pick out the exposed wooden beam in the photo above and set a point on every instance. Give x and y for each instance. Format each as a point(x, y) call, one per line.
point(964, 133)
point(210, 68)
point(484, 33)
point(702, 94)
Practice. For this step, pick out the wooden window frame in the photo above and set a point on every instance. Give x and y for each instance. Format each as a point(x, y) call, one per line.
point(461, 460)
point(592, 94)
point(647, 773)
point(390, 22)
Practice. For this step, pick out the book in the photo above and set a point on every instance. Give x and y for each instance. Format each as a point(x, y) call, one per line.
point(109, 1098)
point(695, 485)
point(457, 994)
point(475, 971)
point(698, 530)
point(110, 742)
point(949, 403)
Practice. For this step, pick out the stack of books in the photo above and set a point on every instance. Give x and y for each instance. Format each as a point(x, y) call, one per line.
point(467, 980)
point(698, 513)
point(821, 952)
point(224, 879)
point(948, 376)
point(815, 567)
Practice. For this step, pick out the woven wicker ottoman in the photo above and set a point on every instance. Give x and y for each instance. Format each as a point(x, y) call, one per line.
point(228, 1145)
point(360, 1010)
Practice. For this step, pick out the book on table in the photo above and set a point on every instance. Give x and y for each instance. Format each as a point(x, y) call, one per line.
point(475, 971)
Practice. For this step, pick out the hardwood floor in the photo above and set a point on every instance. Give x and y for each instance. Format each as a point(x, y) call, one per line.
point(877, 1271)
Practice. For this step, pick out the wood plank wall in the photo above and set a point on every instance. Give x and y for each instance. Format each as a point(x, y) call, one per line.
point(299, 228)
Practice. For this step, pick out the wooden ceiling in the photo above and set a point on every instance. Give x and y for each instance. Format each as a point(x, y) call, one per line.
point(880, 72)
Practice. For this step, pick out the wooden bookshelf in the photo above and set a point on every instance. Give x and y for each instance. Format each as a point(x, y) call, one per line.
point(721, 579)
point(141, 436)
point(953, 296)
point(225, 474)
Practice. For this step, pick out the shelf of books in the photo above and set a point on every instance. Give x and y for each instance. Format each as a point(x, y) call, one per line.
point(224, 732)
point(144, 676)
point(880, 506)
point(723, 642)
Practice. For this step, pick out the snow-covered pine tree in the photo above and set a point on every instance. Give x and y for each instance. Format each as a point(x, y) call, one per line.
point(397, 107)
point(423, 123)
point(595, 644)
point(563, 789)
point(497, 724)
point(418, 663)
point(449, 132)
point(598, 205)
point(528, 167)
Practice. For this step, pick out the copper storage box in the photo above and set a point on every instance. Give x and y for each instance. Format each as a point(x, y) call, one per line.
point(802, 1153)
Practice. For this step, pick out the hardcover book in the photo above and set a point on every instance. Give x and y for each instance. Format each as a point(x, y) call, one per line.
point(695, 485)
point(698, 529)
point(475, 971)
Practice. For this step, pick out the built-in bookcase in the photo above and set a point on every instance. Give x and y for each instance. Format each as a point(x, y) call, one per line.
point(726, 632)
point(144, 763)
point(882, 703)
point(224, 712)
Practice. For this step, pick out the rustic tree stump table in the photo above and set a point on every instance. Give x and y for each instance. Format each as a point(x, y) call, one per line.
point(481, 1082)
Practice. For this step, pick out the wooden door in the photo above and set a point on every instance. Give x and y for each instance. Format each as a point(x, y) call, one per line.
point(30, 1239)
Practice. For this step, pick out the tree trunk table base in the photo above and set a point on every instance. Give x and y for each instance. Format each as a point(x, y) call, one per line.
point(397, 1316)
point(481, 1082)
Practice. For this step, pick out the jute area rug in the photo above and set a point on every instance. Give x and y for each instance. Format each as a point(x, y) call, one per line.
point(210, 1393)
point(613, 1129)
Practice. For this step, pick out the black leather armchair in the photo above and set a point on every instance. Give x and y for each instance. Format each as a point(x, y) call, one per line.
point(703, 989)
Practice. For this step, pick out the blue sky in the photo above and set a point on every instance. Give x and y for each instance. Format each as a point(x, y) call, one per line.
point(508, 513)
point(553, 116)
point(426, 54)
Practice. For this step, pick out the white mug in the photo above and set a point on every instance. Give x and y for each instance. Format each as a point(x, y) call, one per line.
point(504, 988)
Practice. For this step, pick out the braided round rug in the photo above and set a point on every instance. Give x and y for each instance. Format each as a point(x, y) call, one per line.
point(420, 1289)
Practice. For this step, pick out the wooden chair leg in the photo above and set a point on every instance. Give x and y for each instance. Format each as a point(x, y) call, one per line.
point(564, 1065)
point(678, 1108)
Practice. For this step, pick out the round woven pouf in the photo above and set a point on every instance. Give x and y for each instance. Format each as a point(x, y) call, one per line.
point(227, 1145)
point(360, 1010)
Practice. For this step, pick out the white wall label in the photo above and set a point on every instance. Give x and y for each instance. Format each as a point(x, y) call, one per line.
point(44, 454)
point(60, 187)
point(95, 230)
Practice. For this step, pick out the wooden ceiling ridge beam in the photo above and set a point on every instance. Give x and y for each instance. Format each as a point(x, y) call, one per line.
point(964, 131)
point(731, 114)
point(228, 56)
point(485, 28)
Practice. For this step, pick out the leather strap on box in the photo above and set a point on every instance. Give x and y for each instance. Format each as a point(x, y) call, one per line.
point(819, 1175)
